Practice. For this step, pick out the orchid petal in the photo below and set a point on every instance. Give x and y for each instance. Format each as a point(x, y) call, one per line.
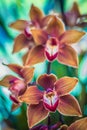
point(69, 106)
point(32, 95)
point(46, 20)
point(20, 43)
point(15, 68)
point(75, 9)
point(79, 124)
point(6, 80)
point(27, 73)
point(63, 127)
point(36, 55)
point(19, 25)
point(55, 27)
point(71, 36)
point(68, 56)
point(46, 81)
point(36, 113)
point(36, 14)
point(14, 106)
point(64, 85)
point(24, 58)
point(40, 36)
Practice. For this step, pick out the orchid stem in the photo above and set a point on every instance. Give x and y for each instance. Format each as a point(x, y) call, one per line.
point(61, 118)
point(49, 68)
point(49, 122)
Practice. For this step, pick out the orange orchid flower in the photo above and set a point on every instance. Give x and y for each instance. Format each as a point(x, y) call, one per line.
point(54, 43)
point(74, 17)
point(55, 96)
point(17, 85)
point(25, 39)
point(77, 125)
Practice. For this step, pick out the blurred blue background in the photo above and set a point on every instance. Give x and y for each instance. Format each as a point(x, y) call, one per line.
point(12, 10)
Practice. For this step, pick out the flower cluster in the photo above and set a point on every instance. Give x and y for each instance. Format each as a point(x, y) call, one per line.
point(46, 39)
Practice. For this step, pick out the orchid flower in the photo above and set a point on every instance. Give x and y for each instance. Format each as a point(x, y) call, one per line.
point(45, 127)
point(77, 125)
point(55, 96)
point(54, 43)
point(25, 39)
point(17, 85)
point(74, 17)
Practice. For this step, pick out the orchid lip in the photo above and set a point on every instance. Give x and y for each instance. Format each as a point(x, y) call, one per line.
point(51, 48)
point(28, 33)
point(50, 100)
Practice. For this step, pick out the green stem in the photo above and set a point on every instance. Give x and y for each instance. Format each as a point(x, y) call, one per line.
point(49, 68)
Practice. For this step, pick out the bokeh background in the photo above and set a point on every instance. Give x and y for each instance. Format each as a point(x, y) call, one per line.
point(12, 10)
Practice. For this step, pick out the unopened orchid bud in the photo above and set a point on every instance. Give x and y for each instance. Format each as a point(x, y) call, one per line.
point(17, 87)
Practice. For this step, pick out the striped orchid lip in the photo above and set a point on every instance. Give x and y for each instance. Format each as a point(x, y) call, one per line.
point(50, 100)
point(51, 48)
point(28, 33)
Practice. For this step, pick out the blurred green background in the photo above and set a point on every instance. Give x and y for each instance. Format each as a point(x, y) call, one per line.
point(12, 10)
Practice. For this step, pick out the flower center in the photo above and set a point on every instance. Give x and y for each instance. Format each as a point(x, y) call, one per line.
point(50, 100)
point(27, 33)
point(51, 49)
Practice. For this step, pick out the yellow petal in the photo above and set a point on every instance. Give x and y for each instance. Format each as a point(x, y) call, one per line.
point(69, 106)
point(79, 124)
point(36, 55)
point(40, 36)
point(32, 95)
point(64, 85)
point(20, 43)
point(36, 113)
point(71, 36)
point(68, 56)
point(19, 25)
point(36, 14)
point(55, 27)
